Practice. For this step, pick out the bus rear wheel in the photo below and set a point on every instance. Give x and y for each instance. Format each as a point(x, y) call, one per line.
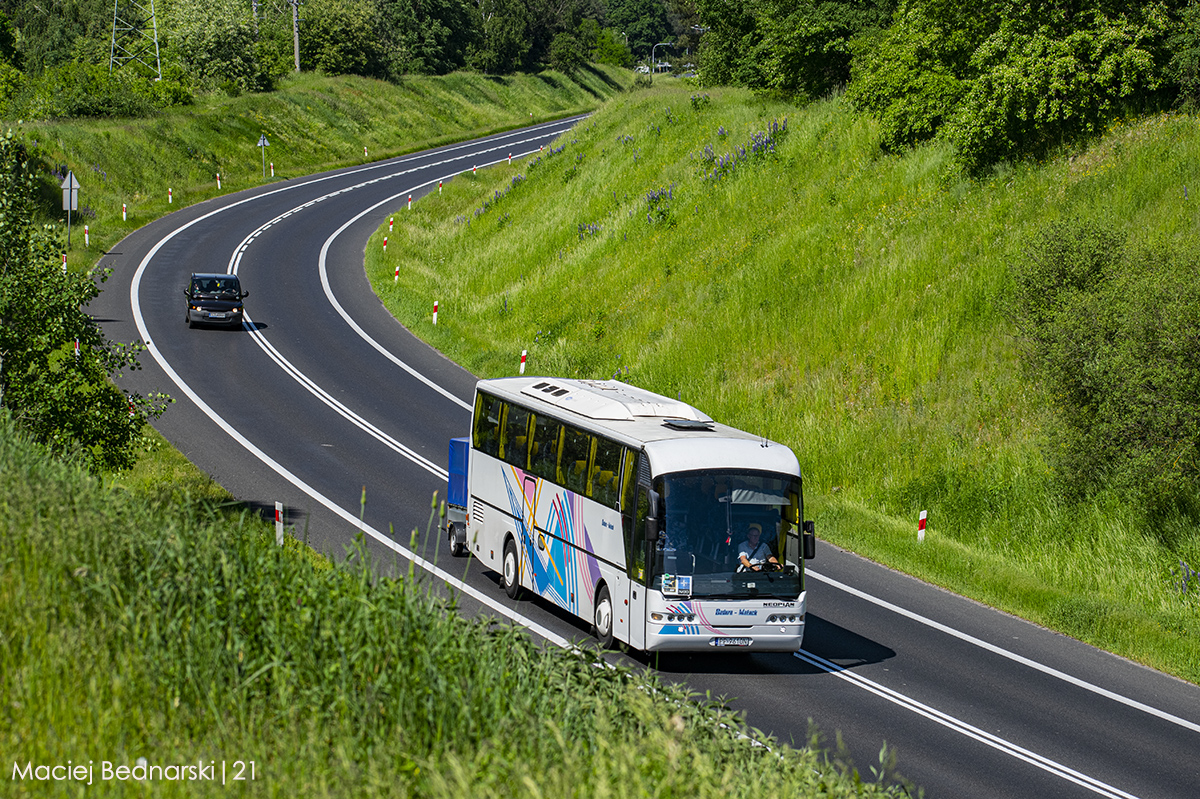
point(603, 618)
point(510, 571)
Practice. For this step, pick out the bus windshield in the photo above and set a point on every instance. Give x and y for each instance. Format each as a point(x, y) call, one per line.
point(708, 516)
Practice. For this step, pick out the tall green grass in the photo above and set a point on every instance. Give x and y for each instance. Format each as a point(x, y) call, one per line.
point(173, 631)
point(837, 299)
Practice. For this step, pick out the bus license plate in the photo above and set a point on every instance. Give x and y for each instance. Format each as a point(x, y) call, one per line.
point(731, 642)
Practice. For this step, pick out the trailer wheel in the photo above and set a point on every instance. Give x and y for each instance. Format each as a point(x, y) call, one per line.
point(456, 549)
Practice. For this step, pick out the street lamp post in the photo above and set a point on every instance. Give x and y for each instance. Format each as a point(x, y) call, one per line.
point(654, 63)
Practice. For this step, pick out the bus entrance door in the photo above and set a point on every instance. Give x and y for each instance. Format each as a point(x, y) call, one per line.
point(637, 616)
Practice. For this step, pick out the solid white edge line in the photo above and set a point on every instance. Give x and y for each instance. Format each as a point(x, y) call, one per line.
point(1013, 656)
point(968, 730)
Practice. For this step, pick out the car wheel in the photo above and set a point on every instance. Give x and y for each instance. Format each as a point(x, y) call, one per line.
point(510, 574)
point(603, 618)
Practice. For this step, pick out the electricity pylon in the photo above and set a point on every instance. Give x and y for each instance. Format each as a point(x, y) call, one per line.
point(134, 36)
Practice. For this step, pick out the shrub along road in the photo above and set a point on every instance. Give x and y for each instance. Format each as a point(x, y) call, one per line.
point(323, 399)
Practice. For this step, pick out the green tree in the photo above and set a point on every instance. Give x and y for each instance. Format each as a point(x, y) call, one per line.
point(806, 45)
point(425, 36)
point(339, 38)
point(731, 45)
point(63, 396)
point(8, 42)
point(217, 44)
point(610, 49)
point(645, 22)
point(503, 44)
point(566, 55)
point(51, 30)
point(912, 75)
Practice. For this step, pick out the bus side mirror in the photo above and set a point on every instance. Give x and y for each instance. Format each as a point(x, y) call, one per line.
point(810, 541)
point(652, 517)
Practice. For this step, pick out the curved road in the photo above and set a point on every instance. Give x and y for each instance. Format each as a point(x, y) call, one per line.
point(323, 395)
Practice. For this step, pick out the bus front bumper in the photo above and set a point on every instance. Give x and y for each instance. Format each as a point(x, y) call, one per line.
point(695, 638)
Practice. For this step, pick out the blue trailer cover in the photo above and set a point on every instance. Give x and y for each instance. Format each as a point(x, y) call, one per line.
point(456, 493)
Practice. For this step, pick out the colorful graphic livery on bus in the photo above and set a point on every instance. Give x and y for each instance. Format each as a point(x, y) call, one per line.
point(663, 528)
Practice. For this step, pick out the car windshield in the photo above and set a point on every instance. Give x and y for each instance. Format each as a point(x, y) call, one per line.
point(707, 521)
point(227, 286)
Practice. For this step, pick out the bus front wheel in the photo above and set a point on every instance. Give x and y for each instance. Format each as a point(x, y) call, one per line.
point(603, 620)
point(510, 575)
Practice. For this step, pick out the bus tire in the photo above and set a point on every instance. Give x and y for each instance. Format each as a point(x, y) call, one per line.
point(602, 618)
point(510, 570)
point(457, 550)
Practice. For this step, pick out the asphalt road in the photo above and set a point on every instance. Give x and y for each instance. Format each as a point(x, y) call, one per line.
point(323, 398)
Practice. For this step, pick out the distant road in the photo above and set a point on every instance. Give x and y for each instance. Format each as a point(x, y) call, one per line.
point(324, 395)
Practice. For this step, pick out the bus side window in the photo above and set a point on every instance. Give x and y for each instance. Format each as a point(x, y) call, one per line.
point(514, 447)
point(576, 452)
point(627, 500)
point(629, 470)
point(636, 555)
point(792, 551)
point(605, 471)
point(543, 456)
point(486, 435)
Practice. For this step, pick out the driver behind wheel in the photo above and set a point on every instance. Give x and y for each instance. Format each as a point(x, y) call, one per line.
point(754, 554)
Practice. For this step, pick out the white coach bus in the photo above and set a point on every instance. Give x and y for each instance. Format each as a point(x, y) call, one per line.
point(639, 513)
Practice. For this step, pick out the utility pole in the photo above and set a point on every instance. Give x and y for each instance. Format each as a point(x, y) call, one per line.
point(296, 31)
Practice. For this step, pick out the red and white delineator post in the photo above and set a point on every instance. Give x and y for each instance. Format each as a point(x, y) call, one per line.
point(435, 306)
point(921, 525)
point(523, 354)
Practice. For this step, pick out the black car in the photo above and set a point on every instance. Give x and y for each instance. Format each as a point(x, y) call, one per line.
point(214, 299)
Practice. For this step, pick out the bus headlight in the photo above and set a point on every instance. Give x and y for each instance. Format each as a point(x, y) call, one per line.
point(672, 618)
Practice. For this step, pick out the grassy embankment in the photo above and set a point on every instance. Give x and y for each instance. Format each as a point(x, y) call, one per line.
point(833, 298)
point(312, 124)
point(146, 616)
point(156, 629)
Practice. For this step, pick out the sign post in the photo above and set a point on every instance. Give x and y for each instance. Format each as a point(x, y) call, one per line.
point(70, 190)
point(264, 144)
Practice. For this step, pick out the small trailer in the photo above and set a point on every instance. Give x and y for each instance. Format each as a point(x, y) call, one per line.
point(456, 497)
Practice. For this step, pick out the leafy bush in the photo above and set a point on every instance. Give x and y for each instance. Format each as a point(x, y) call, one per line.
point(55, 363)
point(1041, 84)
point(1008, 80)
point(84, 90)
point(910, 76)
point(1113, 335)
point(12, 80)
